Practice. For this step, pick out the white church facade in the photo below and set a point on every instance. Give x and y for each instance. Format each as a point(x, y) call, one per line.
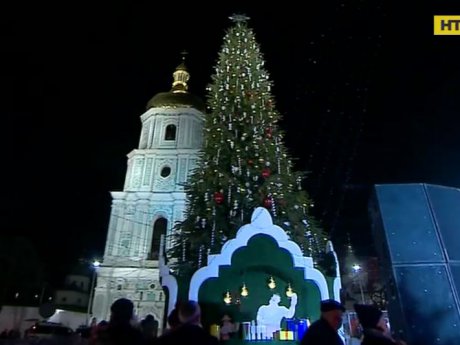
point(151, 202)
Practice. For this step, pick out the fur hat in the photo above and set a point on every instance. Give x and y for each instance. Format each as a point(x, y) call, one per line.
point(368, 315)
point(330, 304)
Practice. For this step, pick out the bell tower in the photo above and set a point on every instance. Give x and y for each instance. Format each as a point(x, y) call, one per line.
point(152, 200)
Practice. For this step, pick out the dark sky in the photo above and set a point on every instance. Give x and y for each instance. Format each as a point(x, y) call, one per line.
point(368, 94)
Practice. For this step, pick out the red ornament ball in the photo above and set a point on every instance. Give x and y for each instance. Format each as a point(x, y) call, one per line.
point(268, 202)
point(266, 173)
point(218, 197)
point(269, 132)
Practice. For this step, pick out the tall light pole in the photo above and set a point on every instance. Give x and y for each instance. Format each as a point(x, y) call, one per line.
point(357, 271)
point(94, 267)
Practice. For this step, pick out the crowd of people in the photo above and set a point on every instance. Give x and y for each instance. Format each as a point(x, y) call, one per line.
point(10, 334)
point(184, 326)
point(325, 330)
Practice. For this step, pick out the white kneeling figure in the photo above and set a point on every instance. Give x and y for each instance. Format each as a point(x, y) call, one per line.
point(271, 315)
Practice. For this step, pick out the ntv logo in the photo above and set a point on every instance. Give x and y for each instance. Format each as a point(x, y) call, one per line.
point(447, 25)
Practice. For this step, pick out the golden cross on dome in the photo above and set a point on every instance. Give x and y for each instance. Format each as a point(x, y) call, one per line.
point(183, 53)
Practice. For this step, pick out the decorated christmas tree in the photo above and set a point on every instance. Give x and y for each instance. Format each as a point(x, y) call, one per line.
point(244, 163)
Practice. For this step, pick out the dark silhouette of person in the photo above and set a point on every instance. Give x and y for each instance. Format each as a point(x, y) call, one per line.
point(375, 327)
point(149, 328)
point(324, 330)
point(190, 330)
point(97, 332)
point(173, 319)
point(119, 330)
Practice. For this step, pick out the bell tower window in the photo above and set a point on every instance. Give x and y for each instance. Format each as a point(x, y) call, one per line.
point(170, 133)
point(159, 229)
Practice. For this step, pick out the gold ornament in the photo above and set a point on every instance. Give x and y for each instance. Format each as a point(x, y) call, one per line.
point(289, 291)
point(244, 291)
point(227, 298)
point(271, 283)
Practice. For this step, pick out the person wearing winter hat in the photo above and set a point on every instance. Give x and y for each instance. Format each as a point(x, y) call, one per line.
point(190, 330)
point(324, 330)
point(375, 328)
point(119, 330)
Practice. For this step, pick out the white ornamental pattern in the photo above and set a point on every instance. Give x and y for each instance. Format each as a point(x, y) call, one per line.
point(137, 172)
point(148, 172)
point(167, 183)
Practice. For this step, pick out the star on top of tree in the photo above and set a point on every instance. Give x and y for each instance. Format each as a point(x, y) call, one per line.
point(239, 18)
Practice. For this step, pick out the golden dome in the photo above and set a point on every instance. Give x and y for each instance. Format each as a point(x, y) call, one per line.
point(178, 96)
point(176, 100)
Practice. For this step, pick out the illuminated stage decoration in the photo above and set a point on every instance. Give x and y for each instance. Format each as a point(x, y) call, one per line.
point(261, 224)
point(260, 251)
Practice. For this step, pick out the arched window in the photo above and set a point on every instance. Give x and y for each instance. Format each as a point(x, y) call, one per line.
point(159, 229)
point(170, 133)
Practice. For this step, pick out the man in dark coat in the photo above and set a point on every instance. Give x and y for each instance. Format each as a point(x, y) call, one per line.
point(375, 327)
point(190, 330)
point(324, 331)
point(119, 330)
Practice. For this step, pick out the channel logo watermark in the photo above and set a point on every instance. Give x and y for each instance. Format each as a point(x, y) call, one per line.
point(446, 25)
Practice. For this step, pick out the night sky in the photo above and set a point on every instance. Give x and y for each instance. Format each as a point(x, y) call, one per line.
point(368, 95)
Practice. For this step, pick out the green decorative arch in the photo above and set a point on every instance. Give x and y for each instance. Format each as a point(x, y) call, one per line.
point(253, 265)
